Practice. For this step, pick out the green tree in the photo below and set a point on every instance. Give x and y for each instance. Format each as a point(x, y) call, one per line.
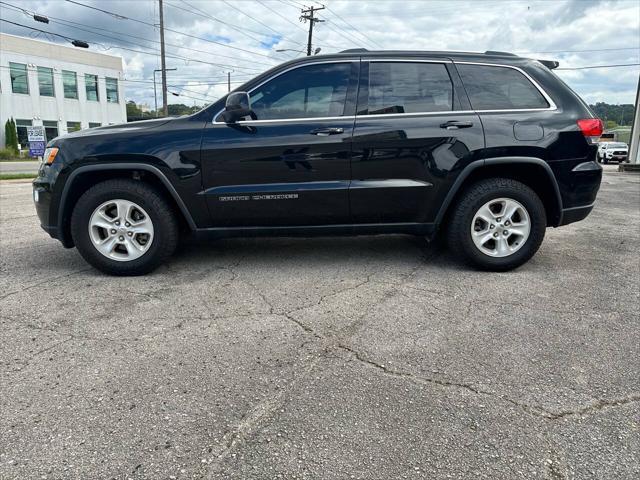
point(11, 135)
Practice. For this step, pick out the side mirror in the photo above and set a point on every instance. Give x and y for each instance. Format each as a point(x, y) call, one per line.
point(237, 107)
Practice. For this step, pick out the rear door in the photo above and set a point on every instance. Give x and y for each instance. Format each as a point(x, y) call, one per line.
point(414, 132)
point(288, 165)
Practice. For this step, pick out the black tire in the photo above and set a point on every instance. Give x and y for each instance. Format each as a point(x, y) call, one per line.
point(459, 237)
point(165, 226)
point(605, 161)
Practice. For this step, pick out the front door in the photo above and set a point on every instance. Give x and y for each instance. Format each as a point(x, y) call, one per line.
point(289, 164)
point(414, 132)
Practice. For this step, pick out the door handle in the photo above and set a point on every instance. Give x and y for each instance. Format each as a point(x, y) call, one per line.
point(455, 124)
point(325, 132)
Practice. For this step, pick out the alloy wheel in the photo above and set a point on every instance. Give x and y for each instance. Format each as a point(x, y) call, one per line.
point(500, 227)
point(121, 230)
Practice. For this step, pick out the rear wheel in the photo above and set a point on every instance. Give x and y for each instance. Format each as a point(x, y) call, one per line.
point(498, 224)
point(124, 227)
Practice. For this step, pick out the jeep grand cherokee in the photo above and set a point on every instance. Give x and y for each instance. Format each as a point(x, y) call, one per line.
point(490, 149)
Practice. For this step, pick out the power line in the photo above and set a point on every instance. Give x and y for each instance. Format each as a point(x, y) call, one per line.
point(281, 16)
point(600, 66)
point(582, 51)
point(374, 42)
point(122, 17)
point(201, 13)
point(78, 26)
point(187, 59)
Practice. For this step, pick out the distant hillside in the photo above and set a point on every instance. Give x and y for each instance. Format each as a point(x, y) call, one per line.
point(614, 115)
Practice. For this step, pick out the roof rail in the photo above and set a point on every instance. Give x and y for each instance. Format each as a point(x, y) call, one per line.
point(550, 64)
point(354, 50)
point(495, 52)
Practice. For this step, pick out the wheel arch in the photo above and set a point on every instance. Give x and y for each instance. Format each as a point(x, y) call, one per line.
point(84, 177)
point(533, 172)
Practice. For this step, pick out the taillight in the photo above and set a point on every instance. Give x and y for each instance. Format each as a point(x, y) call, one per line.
point(591, 127)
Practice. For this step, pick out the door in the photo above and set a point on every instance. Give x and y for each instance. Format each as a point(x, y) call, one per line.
point(414, 132)
point(289, 164)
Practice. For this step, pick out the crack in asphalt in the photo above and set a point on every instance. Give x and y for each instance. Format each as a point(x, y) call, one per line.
point(43, 282)
point(528, 408)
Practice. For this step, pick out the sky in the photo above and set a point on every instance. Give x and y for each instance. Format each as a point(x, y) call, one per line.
point(205, 39)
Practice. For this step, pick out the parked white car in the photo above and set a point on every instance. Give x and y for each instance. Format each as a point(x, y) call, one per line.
point(613, 152)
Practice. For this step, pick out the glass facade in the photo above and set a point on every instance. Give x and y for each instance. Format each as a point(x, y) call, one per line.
point(112, 89)
point(45, 82)
point(19, 80)
point(70, 84)
point(91, 87)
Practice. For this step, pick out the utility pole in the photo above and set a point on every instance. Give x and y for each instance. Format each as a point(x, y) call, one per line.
point(165, 106)
point(308, 15)
point(229, 80)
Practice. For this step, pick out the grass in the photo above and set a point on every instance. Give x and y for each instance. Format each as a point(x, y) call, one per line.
point(17, 176)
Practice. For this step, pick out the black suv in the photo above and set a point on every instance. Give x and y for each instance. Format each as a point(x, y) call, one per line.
point(489, 148)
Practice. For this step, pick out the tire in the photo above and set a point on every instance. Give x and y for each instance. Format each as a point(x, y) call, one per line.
point(605, 161)
point(134, 248)
point(496, 193)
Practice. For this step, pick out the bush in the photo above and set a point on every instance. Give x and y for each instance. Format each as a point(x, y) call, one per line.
point(8, 154)
point(11, 135)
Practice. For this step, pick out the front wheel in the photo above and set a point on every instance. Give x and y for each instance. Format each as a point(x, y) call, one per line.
point(124, 227)
point(498, 224)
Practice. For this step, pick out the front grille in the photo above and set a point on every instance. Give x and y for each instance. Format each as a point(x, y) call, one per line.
point(619, 153)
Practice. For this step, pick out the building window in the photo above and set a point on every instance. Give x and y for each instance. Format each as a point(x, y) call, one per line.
point(94, 124)
point(69, 84)
point(50, 129)
point(45, 82)
point(91, 86)
point(21, 127)
point(73, 126)
point(112, 89)
point(19, 82)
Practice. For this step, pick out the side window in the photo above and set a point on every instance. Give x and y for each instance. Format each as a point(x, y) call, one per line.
point(307, 92)
point(411, 87)
point(498, 88)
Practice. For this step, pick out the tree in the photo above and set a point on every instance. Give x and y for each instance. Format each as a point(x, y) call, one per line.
point(11, 135)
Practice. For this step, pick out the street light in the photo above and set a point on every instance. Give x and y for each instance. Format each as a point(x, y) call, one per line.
point(155, 96)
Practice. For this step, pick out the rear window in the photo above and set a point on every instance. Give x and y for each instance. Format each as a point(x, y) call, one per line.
point(396, 87)
point(499, 88)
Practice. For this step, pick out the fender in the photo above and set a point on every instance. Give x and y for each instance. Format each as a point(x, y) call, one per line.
point(122, 166)
point(497, 161)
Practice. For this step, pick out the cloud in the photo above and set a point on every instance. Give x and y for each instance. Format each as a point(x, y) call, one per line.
point(242, 37)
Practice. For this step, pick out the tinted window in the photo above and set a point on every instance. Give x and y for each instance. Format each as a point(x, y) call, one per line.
point(19, 82)
point(69, 84)
point(495, 88)
point(311, 91)
point(91, 86)
point(45, 81)
point(409, 88)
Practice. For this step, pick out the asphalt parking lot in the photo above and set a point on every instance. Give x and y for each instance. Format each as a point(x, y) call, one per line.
point(326, 358)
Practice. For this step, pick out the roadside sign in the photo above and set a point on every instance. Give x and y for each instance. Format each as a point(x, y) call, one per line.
point(36, 134)
point(36, 149)
point(37, 140)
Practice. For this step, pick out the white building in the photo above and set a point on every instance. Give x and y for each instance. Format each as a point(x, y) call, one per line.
point(62, 88)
